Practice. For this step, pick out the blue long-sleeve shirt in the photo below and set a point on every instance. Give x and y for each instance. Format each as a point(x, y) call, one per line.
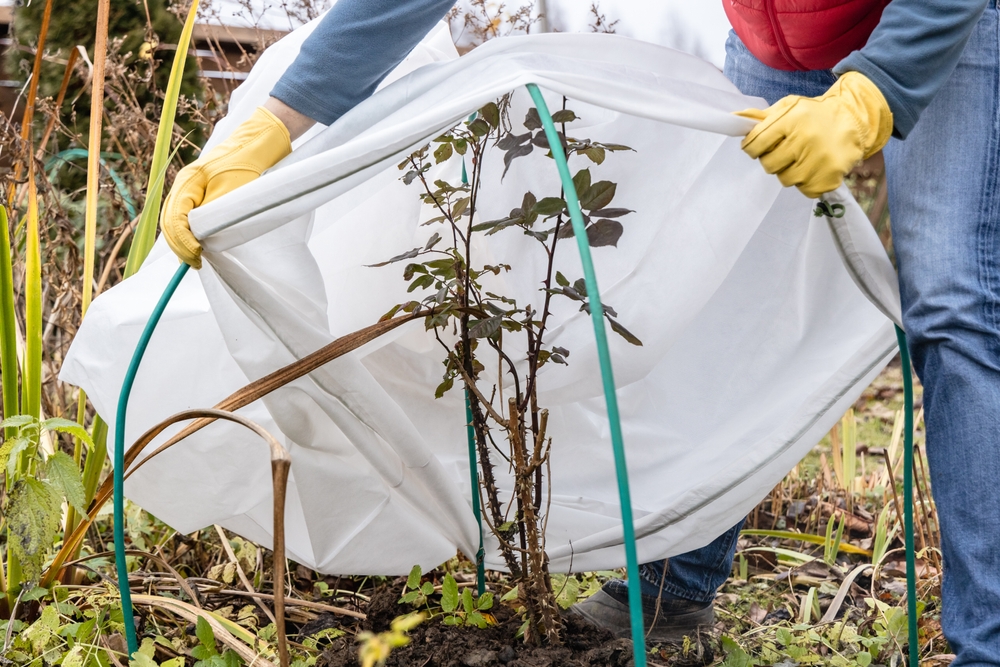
point(913, 51)
point(909, 56)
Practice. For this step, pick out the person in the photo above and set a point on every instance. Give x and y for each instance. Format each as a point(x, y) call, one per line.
point(844, 80)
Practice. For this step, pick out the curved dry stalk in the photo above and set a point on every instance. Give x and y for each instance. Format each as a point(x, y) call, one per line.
point(181, 581)
point(29, 105)
point(289, 602)
point(280, 464)
point(239, 399)
point(222, 632)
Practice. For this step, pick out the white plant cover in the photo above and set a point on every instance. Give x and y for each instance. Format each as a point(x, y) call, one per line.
point(756, 337)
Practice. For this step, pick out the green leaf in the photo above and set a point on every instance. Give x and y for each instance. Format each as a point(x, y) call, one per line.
point(8, 326)
point(9, 452)
point(513, 154)
point(624, 333)
point(62, 471)
point(409, 254)
point(33, 520)
point(203, 630)
point(467, 602)
point(550, 206)
point(510, 140)
point(443, 153)
point(509, 595)
point(75, 657)
point(36, 593)
point(476, 619)
point(863, 659)
point(563, 116)
point(422, 282)
point(17, 421)
point(449, 594)
point(444, 387)
point(461, 146)
point(427, 588)
point(485, 602)
point(598, 195)
point(491, 114)
point(561, 279)
point(413, 580)
point(735, 655)
point(479, 127)
point(486, 328)
point(460, 207)
point(231, 659)
point(611, 212)
point(604, 233)
point(70, 427)
point(581, 182)
point(595, 153)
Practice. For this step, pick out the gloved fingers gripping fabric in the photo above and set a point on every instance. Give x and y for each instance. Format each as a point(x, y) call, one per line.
point(812, 143)
point(255, 146)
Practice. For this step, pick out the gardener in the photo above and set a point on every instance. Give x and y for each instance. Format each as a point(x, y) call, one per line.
point(892, 64)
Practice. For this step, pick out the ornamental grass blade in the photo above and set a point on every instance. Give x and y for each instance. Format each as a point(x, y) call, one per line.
point(145, 231)
point(31, 391)
point(8, 325)
point(94, 152)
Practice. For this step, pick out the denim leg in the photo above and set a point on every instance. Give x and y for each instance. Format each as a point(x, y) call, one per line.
point(696, 575)
point(944, 198)
point(753, 77)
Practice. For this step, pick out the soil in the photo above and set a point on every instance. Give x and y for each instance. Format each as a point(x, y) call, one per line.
point(434, 644)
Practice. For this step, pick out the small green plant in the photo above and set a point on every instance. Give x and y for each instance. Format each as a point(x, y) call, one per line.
point(206, 653)
point(38, 481)
point(463, 608)
point(883, 536)
point(415, 593)
point(831, 546)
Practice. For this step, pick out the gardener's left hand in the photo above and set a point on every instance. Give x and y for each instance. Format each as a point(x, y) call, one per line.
point(814, 142)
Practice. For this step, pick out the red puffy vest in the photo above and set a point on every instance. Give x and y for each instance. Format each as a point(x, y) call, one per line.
point(803, 34)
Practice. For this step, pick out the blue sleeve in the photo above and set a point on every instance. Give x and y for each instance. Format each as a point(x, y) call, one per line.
point(352, 49)
point(913, 51)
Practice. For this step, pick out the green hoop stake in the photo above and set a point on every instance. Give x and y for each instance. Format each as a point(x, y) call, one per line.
point(607, 376)
point(911, 561)
point(119, 472)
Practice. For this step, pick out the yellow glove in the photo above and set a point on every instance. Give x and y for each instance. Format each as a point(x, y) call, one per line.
point(256, 145)
point(814, 142)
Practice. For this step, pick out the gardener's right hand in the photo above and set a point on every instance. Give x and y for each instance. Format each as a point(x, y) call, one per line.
point(256, 145)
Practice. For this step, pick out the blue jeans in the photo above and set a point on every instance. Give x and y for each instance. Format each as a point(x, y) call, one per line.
point(944, 198)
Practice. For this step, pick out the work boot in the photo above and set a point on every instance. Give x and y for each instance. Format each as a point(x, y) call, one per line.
point(677, 617)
